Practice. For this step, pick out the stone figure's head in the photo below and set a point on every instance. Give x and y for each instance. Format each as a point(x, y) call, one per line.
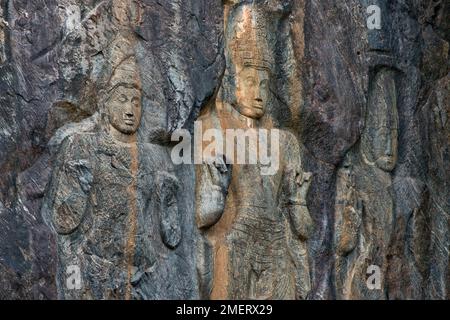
point(380, 137)
point(122, 98)
point(249, 62)
point(252, 91)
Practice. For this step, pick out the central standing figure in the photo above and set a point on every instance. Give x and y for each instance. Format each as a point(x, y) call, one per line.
point(253, 226)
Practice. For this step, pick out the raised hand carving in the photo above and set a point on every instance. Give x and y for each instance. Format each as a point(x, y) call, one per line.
point(216, 177)
point(298, 186)
point(253, 226)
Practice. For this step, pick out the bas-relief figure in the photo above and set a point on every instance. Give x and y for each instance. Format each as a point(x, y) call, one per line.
point(381, 218)
point(253, 227)
point(364, 211)
point(109, 194)
point(365, 205)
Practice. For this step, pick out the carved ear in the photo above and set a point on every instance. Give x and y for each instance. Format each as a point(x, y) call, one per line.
point(167, 187)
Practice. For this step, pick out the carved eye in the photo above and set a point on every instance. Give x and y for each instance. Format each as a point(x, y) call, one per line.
point(250, 81)
point(123, 98)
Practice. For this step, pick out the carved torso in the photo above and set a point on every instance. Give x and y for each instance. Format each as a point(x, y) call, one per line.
point(251, 254)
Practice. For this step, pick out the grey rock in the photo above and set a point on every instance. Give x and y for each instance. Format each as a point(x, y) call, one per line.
point(52, 59)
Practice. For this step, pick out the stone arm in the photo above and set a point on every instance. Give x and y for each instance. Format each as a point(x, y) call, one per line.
point(213, 180)
point(295, 188)
point(69, 187)
point(349, 210)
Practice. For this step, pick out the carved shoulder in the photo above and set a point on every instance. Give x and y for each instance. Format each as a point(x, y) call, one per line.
point(76, 146)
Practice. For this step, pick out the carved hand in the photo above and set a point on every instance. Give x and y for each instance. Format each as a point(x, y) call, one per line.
point(81, 170)
point(214, 182)
point(304, 181)
point(351, 216)
point(220, 172)
point(299, 216)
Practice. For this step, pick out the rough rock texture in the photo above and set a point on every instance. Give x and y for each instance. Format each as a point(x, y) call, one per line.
point(52, 53)
point(253, 218)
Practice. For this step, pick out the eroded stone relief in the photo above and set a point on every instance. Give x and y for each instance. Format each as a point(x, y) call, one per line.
point(364, 194)
point(254, 227)
point(90, 92)
point(107, 194)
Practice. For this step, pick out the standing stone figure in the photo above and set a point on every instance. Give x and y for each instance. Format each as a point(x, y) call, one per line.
point(364, 211)
point(254, 227)
point(107, 196)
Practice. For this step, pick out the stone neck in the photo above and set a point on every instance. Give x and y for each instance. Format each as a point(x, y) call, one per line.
point(228, 110)
point(122, 138)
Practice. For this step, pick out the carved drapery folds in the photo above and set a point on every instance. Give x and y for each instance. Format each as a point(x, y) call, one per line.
point(110, 195)
point(91, 91)
point(253, 226)
point(364, 211)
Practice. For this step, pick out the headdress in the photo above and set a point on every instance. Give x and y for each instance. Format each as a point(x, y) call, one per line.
point(248, 43)
point(122, 69)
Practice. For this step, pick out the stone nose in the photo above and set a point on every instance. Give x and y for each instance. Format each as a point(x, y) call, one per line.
point(129, 114)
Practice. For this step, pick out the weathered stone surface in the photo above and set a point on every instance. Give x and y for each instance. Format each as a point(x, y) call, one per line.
point(110, 197)
point(364, 213)
point(253, 224)
point(327, 69)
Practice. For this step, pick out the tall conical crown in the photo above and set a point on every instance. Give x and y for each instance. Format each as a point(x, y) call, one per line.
point(123, 69)
point(248, 44)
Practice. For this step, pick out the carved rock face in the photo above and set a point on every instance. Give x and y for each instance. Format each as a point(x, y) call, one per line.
point(380, 137)
point(326, 69)
point(252, 91)
point(386, 149)
point(124, 108)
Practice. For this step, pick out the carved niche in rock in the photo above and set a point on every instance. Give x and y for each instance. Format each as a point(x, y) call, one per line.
point(254, 226)
point(107, 196)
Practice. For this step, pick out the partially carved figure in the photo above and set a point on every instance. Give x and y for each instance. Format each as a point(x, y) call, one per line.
point(254, 227)
point(108, 195)
point(364, 196)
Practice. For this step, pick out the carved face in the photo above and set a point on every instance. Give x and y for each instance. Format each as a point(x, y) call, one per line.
point(252, 91)
point(385, 148)
point(124, 108)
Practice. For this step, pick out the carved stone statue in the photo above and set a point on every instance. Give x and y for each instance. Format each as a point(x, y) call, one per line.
point(108, 194)
point(364, 211)
point(254, 227)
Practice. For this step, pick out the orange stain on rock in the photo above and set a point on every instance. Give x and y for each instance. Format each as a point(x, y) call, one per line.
point(131, 238)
